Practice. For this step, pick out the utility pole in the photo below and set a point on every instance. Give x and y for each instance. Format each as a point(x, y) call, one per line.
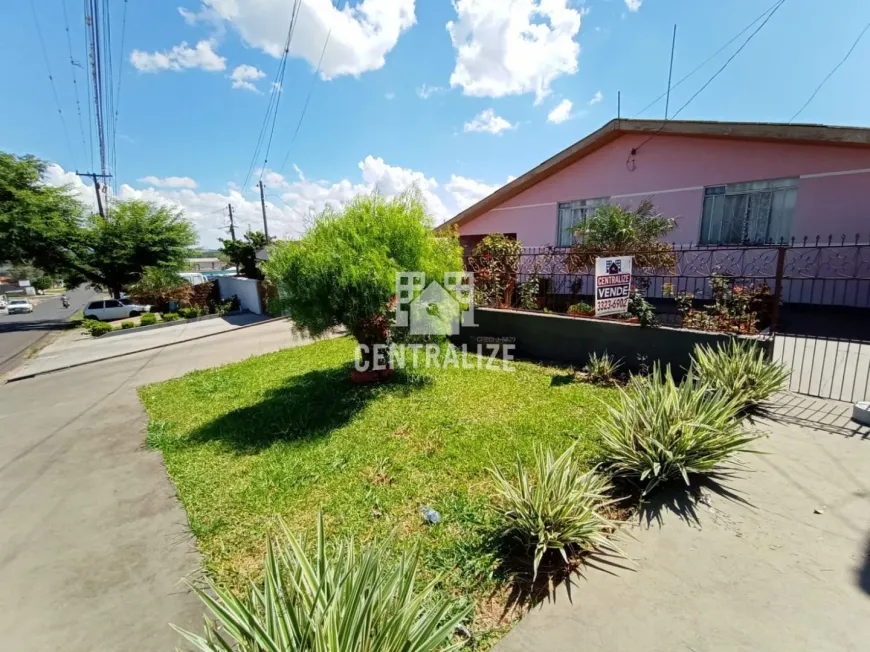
point(94, 176)
point(263, 205)
point(232, 226)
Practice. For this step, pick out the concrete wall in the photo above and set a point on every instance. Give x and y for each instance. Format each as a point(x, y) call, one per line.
point(570, 340)
point(674, 170)
point(244, 288)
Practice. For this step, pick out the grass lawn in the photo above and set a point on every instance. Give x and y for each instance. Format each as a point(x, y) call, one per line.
point(288, 434)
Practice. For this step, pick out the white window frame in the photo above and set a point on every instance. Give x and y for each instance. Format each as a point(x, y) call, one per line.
point(572, 213)
point(762, 212)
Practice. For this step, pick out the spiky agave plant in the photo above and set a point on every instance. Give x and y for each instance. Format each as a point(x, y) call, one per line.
point(660, 431)
point(602, 368)
point(558, 506)
point(341, 598)
point(739, 369)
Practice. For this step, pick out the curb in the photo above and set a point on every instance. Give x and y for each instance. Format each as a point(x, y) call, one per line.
point(168, 324)
point(150, 348)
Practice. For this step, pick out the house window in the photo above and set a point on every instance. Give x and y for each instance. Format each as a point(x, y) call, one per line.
point(752, 212)
point(573, 213)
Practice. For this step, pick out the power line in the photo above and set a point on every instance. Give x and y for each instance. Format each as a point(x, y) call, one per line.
point(830, 74)
point(74, 65)
point(274, 97)
point(709, 81)
point(307, 99)
point(710, 58)
point(51, 79)
point(88, 87)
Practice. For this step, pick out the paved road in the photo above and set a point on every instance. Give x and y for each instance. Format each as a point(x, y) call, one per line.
point(93, 541)
point(19, 332)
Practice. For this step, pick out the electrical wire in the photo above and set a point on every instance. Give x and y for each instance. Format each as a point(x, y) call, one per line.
point(74, 65)
point(635, 150)
point(709, 59)
point(51, 80)
point(831, 74)
point(307, 99)
point(277, 88)
point(88, 87)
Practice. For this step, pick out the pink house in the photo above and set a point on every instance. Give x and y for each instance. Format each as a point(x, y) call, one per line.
point(725, 183)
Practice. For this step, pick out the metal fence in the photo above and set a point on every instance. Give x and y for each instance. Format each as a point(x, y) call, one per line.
point(822, 272)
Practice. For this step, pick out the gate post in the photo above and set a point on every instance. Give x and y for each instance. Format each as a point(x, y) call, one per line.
point(777, 288)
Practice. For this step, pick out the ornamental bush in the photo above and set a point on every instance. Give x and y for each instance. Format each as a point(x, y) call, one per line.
point(343, 270)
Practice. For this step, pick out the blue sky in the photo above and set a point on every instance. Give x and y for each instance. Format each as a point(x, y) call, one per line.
point(402, 99)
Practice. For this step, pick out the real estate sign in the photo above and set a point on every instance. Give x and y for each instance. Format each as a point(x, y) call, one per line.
point(612, 284)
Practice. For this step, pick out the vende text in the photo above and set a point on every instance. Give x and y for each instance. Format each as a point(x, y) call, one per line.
point(612, 292)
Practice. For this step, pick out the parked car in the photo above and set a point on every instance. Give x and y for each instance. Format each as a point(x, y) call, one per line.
point(2, 303)
point(194, 278)
point(110, 309)
point(19, 306)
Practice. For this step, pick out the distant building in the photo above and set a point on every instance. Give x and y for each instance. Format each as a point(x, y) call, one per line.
point(205, 264)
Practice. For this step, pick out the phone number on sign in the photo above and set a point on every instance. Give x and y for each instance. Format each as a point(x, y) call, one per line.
point(620, 303)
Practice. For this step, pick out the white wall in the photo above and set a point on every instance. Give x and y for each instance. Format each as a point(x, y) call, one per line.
point(244, 288)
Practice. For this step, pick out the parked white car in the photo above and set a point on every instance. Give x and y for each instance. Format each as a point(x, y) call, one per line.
point(19, 306)
point(110, 309)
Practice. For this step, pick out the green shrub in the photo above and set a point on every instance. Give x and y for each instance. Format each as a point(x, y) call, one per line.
point(148, 319)
point(556, 507)
point(170, 316)
point(581, 309)
point(188, 313)
point(602, 368)
point(741, 370)
point(642, 309)
point(660, 431)
point(99, 328)
point(340, 598)
point(126, 325)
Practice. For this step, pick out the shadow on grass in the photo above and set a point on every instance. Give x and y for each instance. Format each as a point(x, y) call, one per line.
point(307, 406)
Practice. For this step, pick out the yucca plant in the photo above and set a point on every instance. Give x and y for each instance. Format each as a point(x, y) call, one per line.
point(739, 369)
point(556, 507)
point(602, 368)
point(660, 431)
point(341, 598)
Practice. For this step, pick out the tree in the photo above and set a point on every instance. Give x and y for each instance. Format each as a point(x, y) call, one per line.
point(159, 287)
point(243, 253)
point(613, 230)
point(40, 225)
point(42, 283)
point(343, 271)
point(47, 227)
point(134, 236)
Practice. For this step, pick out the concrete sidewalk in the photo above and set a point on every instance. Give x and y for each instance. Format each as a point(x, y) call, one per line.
point(723, 574)
point(78, 347)
point(93, 542)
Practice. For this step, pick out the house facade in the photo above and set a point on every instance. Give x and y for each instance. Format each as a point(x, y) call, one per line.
point(724, 183)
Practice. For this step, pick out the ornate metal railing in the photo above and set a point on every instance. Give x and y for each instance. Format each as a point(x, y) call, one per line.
point(818, 272)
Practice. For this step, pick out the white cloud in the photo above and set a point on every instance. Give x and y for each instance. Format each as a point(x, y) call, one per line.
point(596, 98)
point(181, 57)
point(169, 182)
point(561, 113)
point(425, 91)
point(466, 192)
point(487, 121)
point(290, 203)
point(513, 46)
point(243, 77)
point(633, 5)
point(360, 36)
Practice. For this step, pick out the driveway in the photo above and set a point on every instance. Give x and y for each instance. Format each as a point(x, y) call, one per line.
point(780, 563)
point(93, 542)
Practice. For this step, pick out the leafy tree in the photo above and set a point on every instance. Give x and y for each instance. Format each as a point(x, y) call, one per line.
point(614, 230)
point(343, 271)
point(135, 235)
point(42, 283)
point(46, 227)
point(243, 253)
point(40, 225)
